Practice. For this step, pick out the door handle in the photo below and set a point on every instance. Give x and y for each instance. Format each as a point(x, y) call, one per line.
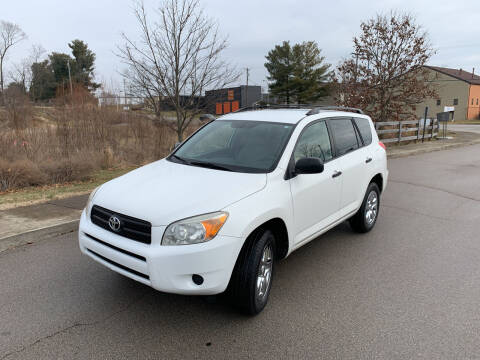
point(368, 160)
point(336, 174)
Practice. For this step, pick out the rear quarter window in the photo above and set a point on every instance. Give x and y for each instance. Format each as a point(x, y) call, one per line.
point(363, 126)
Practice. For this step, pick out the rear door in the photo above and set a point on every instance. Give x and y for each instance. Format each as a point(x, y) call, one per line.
point(366, 153)
point(315, 197)
point(352, 160)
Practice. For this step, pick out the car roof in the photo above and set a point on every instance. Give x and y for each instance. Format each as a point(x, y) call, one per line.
point(287, 116)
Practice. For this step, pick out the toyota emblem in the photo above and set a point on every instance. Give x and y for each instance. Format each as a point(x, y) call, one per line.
point(114, 223)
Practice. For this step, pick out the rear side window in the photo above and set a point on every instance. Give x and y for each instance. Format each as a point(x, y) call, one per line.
point(343, 135)
point(365, 130)
point(314, 142)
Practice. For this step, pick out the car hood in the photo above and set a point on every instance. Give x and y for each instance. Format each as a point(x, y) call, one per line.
point(163, 192)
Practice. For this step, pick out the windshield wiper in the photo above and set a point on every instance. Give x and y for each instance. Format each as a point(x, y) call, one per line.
point(210, 165)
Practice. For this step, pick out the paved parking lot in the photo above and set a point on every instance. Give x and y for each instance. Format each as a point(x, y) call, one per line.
point(409, 289)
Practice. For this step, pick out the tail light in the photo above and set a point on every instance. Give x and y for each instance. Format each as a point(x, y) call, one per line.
point(382, 145)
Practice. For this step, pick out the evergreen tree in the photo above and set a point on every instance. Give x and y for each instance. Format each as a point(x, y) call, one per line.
point(43, 85)
point(298, 73)
point(280, 67)
point(84, 64)
point(51, 74)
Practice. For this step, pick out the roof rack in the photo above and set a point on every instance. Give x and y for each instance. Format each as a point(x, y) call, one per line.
point(317, 109)
point(314, 108)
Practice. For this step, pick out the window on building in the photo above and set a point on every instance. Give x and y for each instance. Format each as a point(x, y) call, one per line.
point(455, 101)
point(477, 101)
point(472, 101)
point(439, 102)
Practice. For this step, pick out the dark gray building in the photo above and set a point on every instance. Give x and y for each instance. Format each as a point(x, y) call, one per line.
point(223, 101)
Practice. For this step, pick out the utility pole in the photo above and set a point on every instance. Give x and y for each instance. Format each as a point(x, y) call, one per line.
point(246, 90)
point(70, 78)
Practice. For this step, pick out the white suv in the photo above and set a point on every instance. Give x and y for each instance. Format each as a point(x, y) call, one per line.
point(242, 192)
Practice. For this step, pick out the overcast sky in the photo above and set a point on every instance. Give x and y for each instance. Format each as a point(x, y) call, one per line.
point(253, 28)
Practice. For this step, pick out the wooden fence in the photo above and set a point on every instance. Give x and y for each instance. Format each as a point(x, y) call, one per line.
point(398, 131)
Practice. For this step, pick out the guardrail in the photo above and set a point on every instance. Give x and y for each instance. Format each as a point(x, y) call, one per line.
point(398, 131)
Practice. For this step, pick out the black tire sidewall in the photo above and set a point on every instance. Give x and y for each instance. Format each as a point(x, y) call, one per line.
point(267, 238)
point(371, 187)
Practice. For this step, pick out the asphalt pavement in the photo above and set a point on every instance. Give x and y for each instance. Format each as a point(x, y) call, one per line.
point(410, 289)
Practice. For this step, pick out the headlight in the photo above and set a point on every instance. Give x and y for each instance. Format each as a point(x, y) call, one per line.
point(89, 201)
point(194, 230)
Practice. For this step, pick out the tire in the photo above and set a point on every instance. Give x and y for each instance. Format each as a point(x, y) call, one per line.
point(366, 217)
point(255, 262)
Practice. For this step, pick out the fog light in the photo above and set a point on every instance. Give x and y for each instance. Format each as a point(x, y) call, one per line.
point(197, 279)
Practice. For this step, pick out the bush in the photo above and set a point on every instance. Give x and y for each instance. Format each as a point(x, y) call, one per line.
point(66, 170)
point(19, 174)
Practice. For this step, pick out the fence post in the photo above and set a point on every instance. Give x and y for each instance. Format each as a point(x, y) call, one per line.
point(399, 131)
point(418, 129)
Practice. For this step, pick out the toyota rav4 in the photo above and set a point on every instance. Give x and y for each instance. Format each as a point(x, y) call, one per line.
point(241, 193)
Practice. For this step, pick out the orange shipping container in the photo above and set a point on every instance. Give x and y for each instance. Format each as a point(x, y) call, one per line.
point(226, 107)
point(218, 108)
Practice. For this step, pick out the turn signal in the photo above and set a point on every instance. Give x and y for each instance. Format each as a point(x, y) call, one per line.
point(382, 145)
point(213, 225)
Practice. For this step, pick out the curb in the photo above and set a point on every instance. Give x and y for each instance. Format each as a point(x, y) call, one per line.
point(36, 235)
point(406, 153)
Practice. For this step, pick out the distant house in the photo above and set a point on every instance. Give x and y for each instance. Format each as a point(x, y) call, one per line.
point(456, 88)
point(223, 101)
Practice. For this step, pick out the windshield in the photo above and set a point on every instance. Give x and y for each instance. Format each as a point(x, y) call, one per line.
point(243, 146)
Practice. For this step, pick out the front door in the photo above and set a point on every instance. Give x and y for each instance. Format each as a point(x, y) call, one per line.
point(315, 197)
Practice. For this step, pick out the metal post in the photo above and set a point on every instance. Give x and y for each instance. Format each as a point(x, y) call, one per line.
point(418, 129)
point(399, 131)
point(246, 89)
point(425, 122)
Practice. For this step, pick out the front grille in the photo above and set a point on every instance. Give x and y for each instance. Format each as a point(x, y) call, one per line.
point(130, 227)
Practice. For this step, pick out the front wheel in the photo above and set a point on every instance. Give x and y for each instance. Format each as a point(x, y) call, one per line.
point(252, 277)
point(366, 217)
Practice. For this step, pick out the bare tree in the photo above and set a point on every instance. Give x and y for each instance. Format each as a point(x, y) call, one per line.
point(385, 74)
point(176, 59)
point(22, 71)
point(10, 34)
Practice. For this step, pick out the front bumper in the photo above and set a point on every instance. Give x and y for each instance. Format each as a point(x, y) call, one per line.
point(165, 268)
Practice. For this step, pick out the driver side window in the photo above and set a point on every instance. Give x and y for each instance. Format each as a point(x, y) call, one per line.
point(314, 142)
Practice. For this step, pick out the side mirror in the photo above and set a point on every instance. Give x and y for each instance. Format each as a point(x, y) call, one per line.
point(309, 165)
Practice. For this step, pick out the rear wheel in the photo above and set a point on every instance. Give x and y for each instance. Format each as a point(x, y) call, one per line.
point(252, 277)
point(366, 217)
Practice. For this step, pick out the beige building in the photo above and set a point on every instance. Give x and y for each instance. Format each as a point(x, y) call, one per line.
point(456, 88)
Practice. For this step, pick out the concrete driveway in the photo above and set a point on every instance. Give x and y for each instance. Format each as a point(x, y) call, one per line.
point(466, 128)
point(410, 289)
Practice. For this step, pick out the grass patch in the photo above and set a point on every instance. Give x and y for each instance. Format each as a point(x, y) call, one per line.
point(38, 194)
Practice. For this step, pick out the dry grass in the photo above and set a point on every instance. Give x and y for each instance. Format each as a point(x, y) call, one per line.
point(75, 142)
point(38, 194)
